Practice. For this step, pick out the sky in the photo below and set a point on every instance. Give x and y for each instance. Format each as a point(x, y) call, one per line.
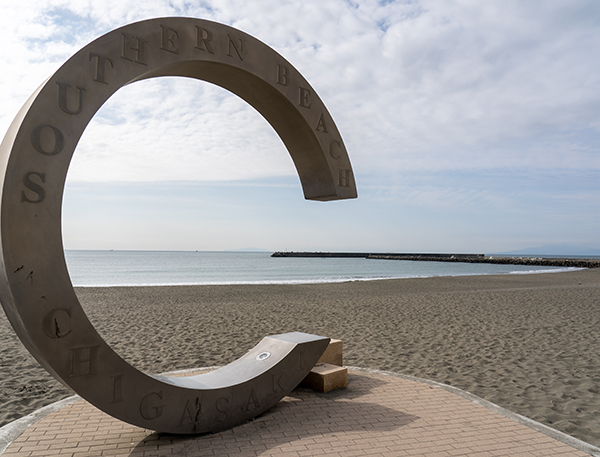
point(472, 127)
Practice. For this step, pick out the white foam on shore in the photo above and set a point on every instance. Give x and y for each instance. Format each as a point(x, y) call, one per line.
point(328, 280)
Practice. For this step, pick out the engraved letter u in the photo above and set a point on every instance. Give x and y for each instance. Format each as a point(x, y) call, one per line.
point(62, 98)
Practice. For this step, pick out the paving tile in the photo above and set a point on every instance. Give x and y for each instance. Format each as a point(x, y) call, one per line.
point(380, 415)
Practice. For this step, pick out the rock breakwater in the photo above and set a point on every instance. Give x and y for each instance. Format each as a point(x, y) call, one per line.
point(538, 261)
point(465, 258)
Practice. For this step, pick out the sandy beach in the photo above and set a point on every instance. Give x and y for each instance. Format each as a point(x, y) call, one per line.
point(526, 342)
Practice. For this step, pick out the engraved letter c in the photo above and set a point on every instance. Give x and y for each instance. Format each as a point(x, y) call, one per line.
point(335, 152)
point(52, 323)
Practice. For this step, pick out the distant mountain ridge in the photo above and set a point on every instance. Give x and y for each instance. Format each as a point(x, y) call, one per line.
point(559, 249)
point(247, 250)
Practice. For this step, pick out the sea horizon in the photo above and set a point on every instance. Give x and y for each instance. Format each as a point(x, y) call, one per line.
point(138, 268)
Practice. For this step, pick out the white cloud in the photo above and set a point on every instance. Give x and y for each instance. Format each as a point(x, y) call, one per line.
point(184, 129)
point(485, 110)
point(412, 85)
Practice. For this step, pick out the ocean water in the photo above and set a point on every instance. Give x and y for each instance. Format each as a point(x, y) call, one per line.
point(156, 268)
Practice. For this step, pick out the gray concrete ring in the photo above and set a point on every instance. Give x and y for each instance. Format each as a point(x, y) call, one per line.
point(35, 288)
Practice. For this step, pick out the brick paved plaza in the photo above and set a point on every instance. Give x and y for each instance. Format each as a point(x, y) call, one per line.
point(377, 415)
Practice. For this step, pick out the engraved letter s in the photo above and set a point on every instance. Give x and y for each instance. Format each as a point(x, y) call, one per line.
point(35, 187)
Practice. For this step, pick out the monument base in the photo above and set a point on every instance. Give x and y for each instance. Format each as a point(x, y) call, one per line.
point(333, 353)
point(328, 374)
point(325, 377)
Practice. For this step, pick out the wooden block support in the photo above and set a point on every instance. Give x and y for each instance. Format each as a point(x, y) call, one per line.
point(325, 377)
point(333, 353)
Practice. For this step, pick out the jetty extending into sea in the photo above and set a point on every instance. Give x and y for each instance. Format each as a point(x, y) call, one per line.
point(465, 258)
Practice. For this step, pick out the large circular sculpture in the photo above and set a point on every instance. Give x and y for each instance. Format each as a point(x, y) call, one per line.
point(35, 288)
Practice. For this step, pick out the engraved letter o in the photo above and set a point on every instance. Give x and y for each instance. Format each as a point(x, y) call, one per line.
point(36, 139)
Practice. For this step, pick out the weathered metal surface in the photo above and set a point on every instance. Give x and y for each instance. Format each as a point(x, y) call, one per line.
point(35, 287)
